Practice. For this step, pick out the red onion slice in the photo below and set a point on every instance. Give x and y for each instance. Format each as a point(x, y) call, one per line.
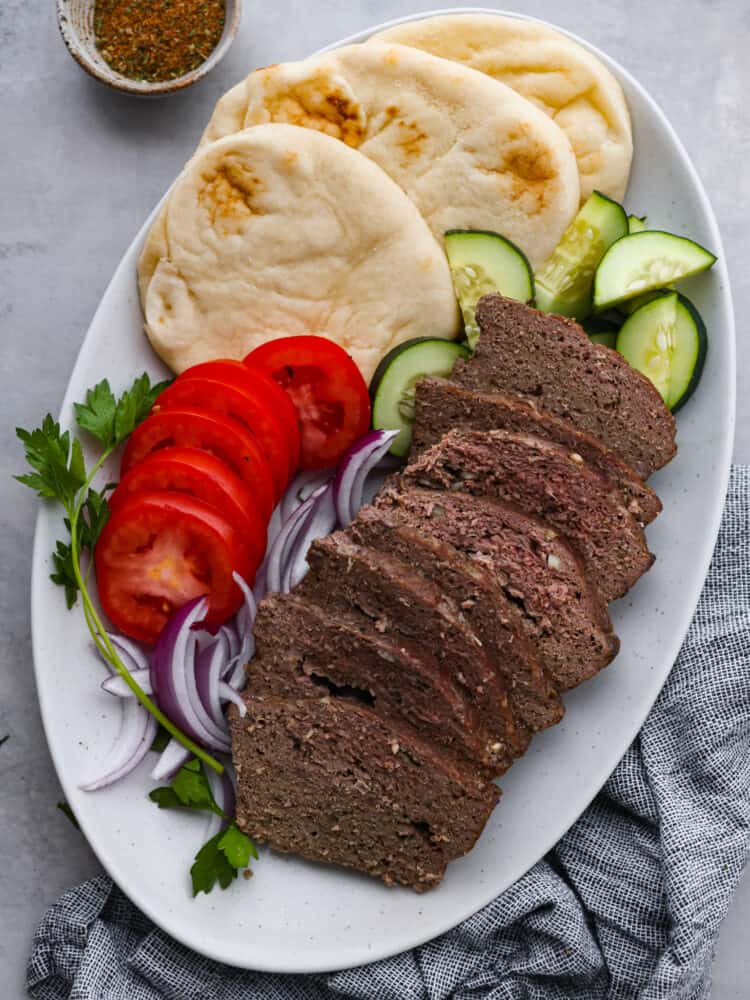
point(131, 654)
point(171, 759)
point(320, 522)
point(278, 555)
point(305, 484)
point(274, 526)
point(356, 465)
point(228, 693)
point(116, 684)
point(210, 664)
point(222, 789)
point(230, 632)
point(245, 622)
point(173, 677)
point(136, 734)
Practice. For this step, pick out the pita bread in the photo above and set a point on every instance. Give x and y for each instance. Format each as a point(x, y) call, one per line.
point(560, 76)
point(279, 230)
point(469, 151)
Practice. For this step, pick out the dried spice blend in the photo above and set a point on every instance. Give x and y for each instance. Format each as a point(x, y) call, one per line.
point(157, 40)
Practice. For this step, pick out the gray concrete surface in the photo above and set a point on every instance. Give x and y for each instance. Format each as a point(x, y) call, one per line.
point(80, 167)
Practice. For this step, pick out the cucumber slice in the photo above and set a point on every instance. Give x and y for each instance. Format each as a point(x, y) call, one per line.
point(483, 262)
point(666, 341)
point(601, 331)
point(392, 387)
point(564, 284)
point(637, 223)
point(645, 261)
point(629, 306)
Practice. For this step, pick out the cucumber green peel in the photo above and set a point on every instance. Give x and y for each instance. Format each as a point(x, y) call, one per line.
point(564, 283)
point(666, 341)
point(393, 387)
point(637, 223)
point(483, 262)
point(645, 261)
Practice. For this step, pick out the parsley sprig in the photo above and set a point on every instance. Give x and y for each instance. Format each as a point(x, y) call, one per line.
point(58, 472)
point(229, 851)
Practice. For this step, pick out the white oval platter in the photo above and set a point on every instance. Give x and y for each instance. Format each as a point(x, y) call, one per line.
point(299, 917)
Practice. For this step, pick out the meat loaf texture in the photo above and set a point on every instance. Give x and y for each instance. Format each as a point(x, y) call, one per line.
point(492, 617)
point(401, 602)
point(334, 782)
point(561, 611)
point(549, 481)
point(551, 361)
point(303, 651)
point(442, 406)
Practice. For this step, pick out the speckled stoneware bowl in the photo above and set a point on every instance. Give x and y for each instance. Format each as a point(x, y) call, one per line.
point(76, 20)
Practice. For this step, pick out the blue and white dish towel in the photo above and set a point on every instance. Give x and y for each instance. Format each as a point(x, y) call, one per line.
point(626, 907)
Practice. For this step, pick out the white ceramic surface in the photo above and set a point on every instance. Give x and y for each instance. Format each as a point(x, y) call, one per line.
point(293, 916)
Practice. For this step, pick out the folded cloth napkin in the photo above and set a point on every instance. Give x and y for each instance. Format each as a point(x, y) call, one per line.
point(628, 904)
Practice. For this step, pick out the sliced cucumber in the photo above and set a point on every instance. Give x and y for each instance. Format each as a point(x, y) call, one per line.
point(564, 284)
point(637, 223)
point(392, 387)
point(646, 261)
point(666, 341)
point(483, 262)
point(601, 331)
point(629, 306)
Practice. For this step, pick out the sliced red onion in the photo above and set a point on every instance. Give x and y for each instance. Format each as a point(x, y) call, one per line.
point(305, 484)
point(117, 686)
point(131, 654)
point(136, 734)
point(228, 693)
point(320, 522)
point(245, 622)
point(210, 664)
point(173, 677)
point(274, 525)
point(278, 555)
point(222, 789)
point(356, 465)
point(171, 759)
point(230, 632)
point(237, 677)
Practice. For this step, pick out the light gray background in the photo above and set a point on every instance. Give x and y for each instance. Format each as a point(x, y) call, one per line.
point(80, 168)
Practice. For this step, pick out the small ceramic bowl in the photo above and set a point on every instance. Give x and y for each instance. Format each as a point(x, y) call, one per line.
point(76, 20)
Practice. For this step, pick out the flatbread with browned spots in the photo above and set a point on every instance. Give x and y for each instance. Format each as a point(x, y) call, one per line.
point(469, 151)
point(560, 76)
point(278, 231)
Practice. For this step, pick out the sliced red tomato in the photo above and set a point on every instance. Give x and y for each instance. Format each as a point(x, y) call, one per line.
point(199, 474)
point(221, 436)
point(158, 551)
point(264, 390)
point(327, 389)
point(219, 396)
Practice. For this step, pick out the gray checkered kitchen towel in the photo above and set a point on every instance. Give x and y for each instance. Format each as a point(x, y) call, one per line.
point(628, 904)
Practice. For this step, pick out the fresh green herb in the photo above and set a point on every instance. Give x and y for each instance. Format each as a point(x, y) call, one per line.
point(225, 854)
point(189, 789)
point(221, 858)
point(67, 811)
point(160, 740)
point(58, 472)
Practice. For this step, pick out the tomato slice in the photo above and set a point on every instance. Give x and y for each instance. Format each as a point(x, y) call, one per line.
point(263, 389)
point(221, 436)
point(218, 396)
point(199, 474)
point(327, 389)
point(158, 551)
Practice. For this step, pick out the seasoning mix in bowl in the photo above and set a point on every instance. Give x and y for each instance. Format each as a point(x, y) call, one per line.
point(157, 40)
point(148, 46)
